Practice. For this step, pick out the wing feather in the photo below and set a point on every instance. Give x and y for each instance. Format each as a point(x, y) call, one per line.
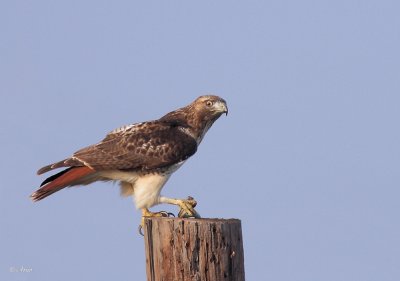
point(144, 146)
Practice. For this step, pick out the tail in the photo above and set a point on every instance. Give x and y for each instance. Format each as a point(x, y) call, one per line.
point(67, 177)
point(69, 162)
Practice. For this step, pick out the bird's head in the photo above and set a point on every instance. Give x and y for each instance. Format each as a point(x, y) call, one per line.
point(204, 111)
point(211, 107)
point(198, 116)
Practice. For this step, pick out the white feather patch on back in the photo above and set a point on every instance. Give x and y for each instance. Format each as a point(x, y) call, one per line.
point(124, 128)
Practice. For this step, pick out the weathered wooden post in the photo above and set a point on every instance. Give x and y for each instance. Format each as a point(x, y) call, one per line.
point(194, 249)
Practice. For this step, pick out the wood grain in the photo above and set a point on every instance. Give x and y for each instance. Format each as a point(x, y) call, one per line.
point(194, 249)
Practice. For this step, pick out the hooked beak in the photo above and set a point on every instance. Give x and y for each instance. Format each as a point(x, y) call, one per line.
point(222, 107)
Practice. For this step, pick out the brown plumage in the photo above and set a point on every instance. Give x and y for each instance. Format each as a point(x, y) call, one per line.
point(141, 156)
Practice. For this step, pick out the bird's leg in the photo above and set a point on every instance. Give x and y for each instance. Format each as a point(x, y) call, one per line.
point(187, 206)
point(147, 214)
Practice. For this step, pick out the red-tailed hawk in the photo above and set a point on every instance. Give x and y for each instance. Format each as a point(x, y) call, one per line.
point(141, 156)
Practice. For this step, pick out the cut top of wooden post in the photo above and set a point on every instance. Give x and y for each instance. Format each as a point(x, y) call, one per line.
point(194, 249)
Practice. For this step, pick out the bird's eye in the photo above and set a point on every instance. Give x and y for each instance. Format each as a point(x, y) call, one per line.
point(209, 103)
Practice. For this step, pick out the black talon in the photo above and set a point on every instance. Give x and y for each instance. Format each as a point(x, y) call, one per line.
point(140, 228)
point(164, 214)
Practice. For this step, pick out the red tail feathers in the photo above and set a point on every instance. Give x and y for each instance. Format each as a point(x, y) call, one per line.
point(58, 181)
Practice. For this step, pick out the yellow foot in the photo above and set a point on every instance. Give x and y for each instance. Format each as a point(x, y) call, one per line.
point(147, 214)
point(187, 208)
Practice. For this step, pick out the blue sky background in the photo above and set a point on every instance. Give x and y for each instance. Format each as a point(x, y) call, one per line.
point(308, 157)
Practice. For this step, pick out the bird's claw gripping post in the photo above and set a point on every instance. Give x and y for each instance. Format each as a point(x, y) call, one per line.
point(147, 214)
point(187, 209)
